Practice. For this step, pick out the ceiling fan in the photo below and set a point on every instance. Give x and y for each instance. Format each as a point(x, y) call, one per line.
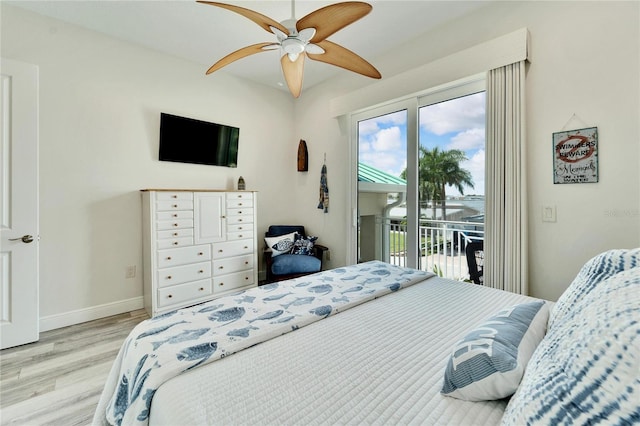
point(304, 37)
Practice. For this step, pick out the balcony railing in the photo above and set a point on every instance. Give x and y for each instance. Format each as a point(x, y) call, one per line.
point(442, 245)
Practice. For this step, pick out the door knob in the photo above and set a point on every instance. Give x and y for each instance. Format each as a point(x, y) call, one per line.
point(25, 239)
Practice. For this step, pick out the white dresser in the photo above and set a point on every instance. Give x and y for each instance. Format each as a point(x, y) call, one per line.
point(197, 245)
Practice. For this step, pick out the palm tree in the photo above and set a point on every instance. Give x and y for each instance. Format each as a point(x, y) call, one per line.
point(437, 169)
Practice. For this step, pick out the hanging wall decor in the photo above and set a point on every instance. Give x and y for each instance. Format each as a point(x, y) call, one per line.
point(575, 156)
point(303, 157)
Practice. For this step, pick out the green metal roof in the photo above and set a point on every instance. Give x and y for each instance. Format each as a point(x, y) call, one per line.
point(367, 173)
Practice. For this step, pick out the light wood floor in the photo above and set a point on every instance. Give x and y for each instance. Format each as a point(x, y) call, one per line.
point(58, 380)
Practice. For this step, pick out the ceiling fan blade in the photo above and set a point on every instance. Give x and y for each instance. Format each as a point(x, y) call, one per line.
point(241, 53)
point(337, 55)
point(260, 19)
point(332, 18)
point(293, 72)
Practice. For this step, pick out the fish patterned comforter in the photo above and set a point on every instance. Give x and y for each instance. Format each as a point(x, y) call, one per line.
point(165, 346)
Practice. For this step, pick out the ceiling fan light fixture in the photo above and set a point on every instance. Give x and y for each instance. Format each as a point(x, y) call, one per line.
point(292, 46)
point(306, 37)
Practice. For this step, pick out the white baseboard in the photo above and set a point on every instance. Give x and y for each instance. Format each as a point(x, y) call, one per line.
point(65, 319)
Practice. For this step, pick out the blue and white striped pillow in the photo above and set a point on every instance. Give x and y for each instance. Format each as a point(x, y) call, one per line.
point(597, 269)
point(489, 362)
point(587, 369)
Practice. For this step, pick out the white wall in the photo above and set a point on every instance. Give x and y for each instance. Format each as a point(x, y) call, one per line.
point(100, 104)
point(99, 115)
point(584, 61)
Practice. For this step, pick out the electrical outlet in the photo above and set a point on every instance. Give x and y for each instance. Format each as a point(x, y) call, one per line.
point(130, 271)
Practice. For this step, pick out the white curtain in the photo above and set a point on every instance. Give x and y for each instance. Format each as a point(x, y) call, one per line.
point(505, 245)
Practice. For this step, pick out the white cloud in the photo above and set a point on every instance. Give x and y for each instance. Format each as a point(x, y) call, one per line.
point(387, 163)
point(469, 139)
point(454, 115)
point(387, 140)
point(372, 125)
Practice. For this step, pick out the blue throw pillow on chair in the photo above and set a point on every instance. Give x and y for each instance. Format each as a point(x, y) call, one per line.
point(304, 245)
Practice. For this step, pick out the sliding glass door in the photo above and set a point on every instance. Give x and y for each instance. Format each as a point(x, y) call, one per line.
point(399, 192)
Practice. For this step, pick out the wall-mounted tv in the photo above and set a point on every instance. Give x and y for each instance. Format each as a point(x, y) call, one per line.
point(187, 140)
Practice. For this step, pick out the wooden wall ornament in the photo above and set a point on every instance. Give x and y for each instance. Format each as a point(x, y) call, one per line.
point(303, 157)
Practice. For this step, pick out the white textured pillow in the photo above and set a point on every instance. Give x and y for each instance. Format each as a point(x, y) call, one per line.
point(489, 362)
point(597, 269)
point(586, 371)
point(281, 244)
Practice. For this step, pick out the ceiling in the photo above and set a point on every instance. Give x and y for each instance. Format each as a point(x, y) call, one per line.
point(203, 33)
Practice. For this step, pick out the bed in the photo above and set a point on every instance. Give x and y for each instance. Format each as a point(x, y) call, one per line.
point(386, 357)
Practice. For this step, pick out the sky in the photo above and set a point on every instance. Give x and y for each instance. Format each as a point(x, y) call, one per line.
point(454, 124)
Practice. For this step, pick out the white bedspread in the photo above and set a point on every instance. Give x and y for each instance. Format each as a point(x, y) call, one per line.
point(381, 362)
point(163, 347)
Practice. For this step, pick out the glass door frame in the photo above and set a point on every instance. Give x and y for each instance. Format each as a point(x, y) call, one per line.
point(411, 104)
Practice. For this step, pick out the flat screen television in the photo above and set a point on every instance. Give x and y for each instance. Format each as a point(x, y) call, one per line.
point(187, 140)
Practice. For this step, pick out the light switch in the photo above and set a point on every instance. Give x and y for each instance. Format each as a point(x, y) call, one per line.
point(548, 213)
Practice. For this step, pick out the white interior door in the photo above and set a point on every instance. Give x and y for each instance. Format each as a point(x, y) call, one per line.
point(19, 319)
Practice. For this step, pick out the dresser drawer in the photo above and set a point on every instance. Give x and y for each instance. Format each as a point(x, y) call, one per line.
point(174, 195)
point(175, 233)
point(239, 203)
point(184, 292)
point(175, 242)
point(238, 219)
point(241, 211)
point(232, 264)
point(242, 235)
point(183, 274)
point(238, 196)
point(172, 215)
point(163, 225)
point(231, 281)
point(240, 227)
point(232, 248)
point(174, 205)
point(183, 256)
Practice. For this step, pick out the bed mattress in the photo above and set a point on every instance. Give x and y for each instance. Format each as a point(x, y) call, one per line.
point(381, 362)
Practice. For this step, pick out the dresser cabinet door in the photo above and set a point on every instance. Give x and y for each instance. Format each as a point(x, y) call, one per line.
point(209, 208)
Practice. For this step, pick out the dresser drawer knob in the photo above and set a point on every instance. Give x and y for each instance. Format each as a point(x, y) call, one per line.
point(240, 212)
point(246, 278)
point(246, 262)
point(220, 267)
point(200, 254)
point(240, 228)
point(201, 271)
point(240, 235)
point(175, 224)
point(174, 196)
point(169, 296)
point(240, 204)
point(175, 243)
point(239, 220)
point(175, 234)
point(246, 247)
point(175, 206)
point(168, 277)
point(220, 251)
point(221, 284)
point(201, 288)
point(175, 215)
point(168, 257)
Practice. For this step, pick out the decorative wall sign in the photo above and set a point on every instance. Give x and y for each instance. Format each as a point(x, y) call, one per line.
point(575, 156)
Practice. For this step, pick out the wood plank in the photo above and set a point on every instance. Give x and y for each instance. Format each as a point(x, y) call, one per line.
point(59, 379)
